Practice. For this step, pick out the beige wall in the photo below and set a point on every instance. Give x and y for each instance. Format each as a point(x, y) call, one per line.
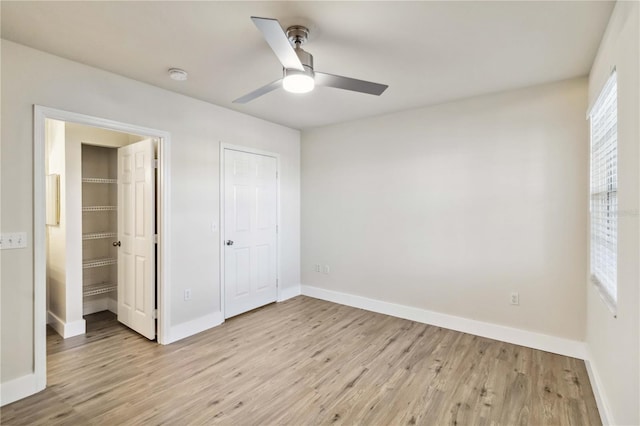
point(31, 77)
point(450, 208)
point(614, 343)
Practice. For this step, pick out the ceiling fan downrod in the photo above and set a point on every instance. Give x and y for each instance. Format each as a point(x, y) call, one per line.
point(298, 35)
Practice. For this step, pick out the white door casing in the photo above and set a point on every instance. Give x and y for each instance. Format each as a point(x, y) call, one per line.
point(136, 231)
point(250, 233)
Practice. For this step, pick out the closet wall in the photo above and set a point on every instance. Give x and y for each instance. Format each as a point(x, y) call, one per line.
point(57, 234)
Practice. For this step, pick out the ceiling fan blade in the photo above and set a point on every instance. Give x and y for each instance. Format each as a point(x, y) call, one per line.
point(346, 83)
point(278, 41)
point(259, 92)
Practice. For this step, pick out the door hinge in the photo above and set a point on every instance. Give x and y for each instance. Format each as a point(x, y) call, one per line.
point(155, 163)
point(155, 238)
point(154, 314)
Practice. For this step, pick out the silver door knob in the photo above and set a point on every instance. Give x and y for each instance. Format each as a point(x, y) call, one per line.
point(229, 242)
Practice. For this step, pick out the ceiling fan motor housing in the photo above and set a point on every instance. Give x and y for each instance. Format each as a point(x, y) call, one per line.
point(305, 57)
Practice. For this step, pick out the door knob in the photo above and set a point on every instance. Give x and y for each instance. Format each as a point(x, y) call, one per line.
point(117, 244)
point(229, 242)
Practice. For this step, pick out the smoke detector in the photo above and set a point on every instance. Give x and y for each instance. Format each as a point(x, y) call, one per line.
point(178, 74)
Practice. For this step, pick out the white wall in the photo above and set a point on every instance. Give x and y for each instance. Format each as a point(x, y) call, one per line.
point(614, 343)
point(450, 208)
point(31, 77)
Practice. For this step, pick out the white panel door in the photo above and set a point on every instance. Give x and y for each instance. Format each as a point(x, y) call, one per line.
point(250, 215)
point(136, 229)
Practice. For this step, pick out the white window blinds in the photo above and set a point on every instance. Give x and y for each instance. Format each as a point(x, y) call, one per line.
point(604, 186)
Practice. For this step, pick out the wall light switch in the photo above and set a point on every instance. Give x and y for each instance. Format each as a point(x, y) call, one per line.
point(13, 240)
point(20, 240)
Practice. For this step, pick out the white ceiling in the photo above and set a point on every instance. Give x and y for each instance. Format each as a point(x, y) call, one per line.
point(427, 52)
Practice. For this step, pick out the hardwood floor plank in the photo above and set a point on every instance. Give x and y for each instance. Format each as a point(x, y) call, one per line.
point(304, 362)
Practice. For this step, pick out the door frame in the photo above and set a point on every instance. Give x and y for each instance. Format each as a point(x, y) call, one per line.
point(40, 115)
point(249, 150)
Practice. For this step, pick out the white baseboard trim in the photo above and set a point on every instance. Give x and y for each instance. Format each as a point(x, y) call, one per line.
point(66, 329)
point(544, 342)
point(195, 326)
point(606, 416)
point(95, 304)
point(19, 388)
point(289, 292)
point(112, 305)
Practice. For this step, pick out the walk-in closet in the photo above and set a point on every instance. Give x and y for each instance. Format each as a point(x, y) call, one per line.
point(98, 179)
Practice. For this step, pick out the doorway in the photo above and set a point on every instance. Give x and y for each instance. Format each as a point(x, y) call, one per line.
point(249, 213)
point(160, 234)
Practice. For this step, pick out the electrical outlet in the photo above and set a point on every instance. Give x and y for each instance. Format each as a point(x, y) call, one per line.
point(326, 269)
point(187, 294)
point(515, 298)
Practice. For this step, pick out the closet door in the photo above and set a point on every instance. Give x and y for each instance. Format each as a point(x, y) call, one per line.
point(250, 217)
point(136, 231)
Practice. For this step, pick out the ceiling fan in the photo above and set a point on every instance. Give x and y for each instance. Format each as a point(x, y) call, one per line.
point(297, 64)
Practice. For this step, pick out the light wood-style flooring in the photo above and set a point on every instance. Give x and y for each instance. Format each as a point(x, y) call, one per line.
point(304, 362)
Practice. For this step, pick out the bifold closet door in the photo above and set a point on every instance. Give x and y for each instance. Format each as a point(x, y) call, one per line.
point(250, 215)
point(136, 229)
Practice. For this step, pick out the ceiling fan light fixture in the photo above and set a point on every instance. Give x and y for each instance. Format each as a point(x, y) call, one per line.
point(295, 81)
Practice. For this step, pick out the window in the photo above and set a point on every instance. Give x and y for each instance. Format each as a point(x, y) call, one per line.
point(604, 186)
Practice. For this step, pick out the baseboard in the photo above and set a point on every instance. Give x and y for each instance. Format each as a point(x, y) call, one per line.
point(606, 416)
point(19, 388)
point(112, 305)
point(66, 329)
point(97, 304)
point(189, 328)
point(544, 342)
point(289, 292)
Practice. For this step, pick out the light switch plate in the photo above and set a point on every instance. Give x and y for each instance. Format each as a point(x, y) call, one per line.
point(13, 240)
